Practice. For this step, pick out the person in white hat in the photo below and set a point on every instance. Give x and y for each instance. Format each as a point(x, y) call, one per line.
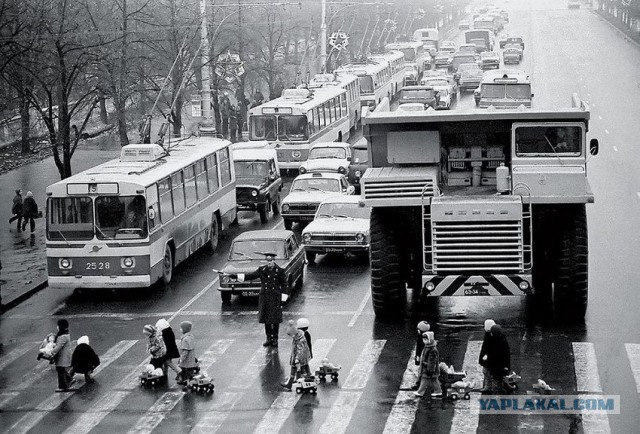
point(487, 384)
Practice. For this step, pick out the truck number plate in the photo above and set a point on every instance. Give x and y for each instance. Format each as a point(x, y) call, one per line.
point(476, 291)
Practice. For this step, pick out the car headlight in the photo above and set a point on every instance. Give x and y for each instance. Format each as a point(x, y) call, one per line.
point(254, 193)
point(360, 237)
point(302, 170)
point(285, 207)
point(358, 174)
point(225, 278)
point(127, 262)
point(306, 237)
point(342, 169)
point(64, 263)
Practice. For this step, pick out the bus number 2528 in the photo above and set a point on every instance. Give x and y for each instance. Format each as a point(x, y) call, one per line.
point(98, 266)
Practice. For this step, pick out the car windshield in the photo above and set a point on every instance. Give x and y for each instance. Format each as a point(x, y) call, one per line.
point(343, 210)
point(467, 67)
point(417, 93)
point(439, 82)
point(366, 84)
point(121, 217)
point(327, 153)
point(316, 184)
point(254, 249)
point(70, 218)
point(360, 155)
point(548, 140)
point(251, 169)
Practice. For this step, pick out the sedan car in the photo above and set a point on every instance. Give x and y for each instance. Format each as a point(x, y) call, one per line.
point(307, 191)
point(442, 82)
point(359, 162)
point(512, 54)
point(470, 76)
point(464, 25)
point(442, 60)
point(248, 253)
point(489, 60)
point(341, 225)
point(328, 157)
point(424, 95)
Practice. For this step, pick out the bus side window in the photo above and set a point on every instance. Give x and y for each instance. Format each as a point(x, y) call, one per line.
point(152, 204)
point(177, 192)
point(201, 179)
point(212, 173)
point(190, 186)
point(164, 193)
point(225, 166)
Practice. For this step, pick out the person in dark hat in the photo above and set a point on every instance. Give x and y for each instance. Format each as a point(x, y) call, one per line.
point(84, 359)
point(273, 292)
point(16, 209)
point(29, 212)
point(62, 356)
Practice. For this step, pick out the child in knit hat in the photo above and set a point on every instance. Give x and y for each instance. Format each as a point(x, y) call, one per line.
point(422, 327)
point(155, 346)
point(188, 362)
point(300, 356)
point(303, 324)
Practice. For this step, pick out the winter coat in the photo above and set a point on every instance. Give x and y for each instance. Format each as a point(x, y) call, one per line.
point(299, 350)
point(169, 339)
point(188, 347)
point(84, 359)
point(499, 355)
point(62, 351)
point(429, 361)
point(487, 343)
point(156, 346)
point(29, 208)
point(17, 205)
point(419, 348)
point(273, 283)
point(307, 337)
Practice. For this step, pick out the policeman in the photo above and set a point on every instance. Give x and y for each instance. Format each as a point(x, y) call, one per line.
point(273, 292)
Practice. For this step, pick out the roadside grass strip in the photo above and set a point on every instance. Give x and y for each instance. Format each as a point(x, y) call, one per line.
point(633, 353)
point(588, 382)
point(283, 405)
point(403, 412)
point(466, 414)
point(342, 409)
point(168, 401)
point(32, 418)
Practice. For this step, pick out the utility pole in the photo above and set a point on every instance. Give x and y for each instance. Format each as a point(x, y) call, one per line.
point(206, 70)
point(323, 36)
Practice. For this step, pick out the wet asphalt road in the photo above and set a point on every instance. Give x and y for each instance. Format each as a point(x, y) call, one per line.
point(566, 51)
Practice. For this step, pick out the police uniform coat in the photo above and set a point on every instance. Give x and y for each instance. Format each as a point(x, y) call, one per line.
point(273, 283)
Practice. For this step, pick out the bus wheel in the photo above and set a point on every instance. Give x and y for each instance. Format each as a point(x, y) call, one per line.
point(215, 234)
point(387, 284)
point(571, 289)
point(167, 265)
point(263, 210)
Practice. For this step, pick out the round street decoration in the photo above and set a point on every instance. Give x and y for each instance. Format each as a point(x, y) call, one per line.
point(421, 13)
point(339, 40)
point(390, 25)
point(229, 67)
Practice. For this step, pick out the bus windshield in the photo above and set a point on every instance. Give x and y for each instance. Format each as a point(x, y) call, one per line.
point(121, 217)
point(70, 218)
point(263, 127)
point(254, 249)
point(292, 127)
point(366, 84)
point(327, 153)
point(409, 54)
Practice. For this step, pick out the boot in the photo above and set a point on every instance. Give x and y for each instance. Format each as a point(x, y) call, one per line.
point(274, 341)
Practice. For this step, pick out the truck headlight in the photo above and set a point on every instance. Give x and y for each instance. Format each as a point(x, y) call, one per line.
point(285, 207)
point(302, 170)
point(306, 237)
point(64, 263)
point(127, 262)
point(254, 193)
point(360, 237)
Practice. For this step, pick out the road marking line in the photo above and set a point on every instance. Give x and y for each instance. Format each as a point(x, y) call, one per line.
point(633, 353)
point(586, 368)
point(410, 375)
point(606, 131)
point(283, 405)
point(194, 298)
point(363, 304)
point(593, 423)
point(158, 411)
point(15, 354)
point(217, 413)
point(531, 344)
point(638, 194)
point(340, 414)
point(466, 414)
point(361, 370)
point(615, 148)
point(32, 418)
point(403, 412)
point(599, 117)
point(5, 397)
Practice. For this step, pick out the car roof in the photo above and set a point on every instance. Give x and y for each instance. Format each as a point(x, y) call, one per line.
point(350, 198)
point(417, 87)
point(489, 53)
point(311, 175)
point(270, 234)
point(254, 154)
point(330, 145)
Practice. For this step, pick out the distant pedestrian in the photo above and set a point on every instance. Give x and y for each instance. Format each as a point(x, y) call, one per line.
point(16, 209)
point(303, 324)
point(169, 338)
point(62, 356)
point(498, 358)
point(155, 347)
point(84, 360)
point(273, 292)
point(429, 367)
point(29, 212)
point(300, 356)
point(188, 361)
point(487, 343)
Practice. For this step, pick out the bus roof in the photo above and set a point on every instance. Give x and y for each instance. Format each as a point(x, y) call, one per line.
point(144, 173)
point(505, 76)
point(403, 45)
point(302, 99)
point(339, 79)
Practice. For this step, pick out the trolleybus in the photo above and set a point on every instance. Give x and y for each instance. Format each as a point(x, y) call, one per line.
point(349, 82)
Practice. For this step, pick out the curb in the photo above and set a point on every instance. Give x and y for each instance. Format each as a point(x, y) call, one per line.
point(23, 297)
point(626, 36)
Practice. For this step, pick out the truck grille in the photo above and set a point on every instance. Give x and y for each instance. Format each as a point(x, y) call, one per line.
point(470, 247)
point(243, 194)
point(380, 189)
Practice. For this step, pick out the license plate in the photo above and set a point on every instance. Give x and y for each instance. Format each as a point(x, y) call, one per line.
point(250, 293)
point(334, 249)
point(476, 291)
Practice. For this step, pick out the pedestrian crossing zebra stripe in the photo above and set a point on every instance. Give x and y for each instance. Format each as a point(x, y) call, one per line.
point(593, 423)
point(217, 413)
point(15, 354)
point(32, 418)
point(281, 408)
point(466, 413)
point(403, 412)
point(167, 401)
point(261, 358)
point(586, 368)
point(633, 353)
point(6, 397)
point(341, 412)
point(361, 370)
point(531, 343)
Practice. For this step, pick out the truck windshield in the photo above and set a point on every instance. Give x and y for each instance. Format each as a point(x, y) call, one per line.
point(532, 141)
point(121, 217)
point(70, 218)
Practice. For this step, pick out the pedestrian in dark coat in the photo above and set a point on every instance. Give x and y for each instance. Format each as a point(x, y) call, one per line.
point(169, 339)
point(487, 385)
point(16, 209)
point(273, 292)
point(84, 360)
point(62, 355)
point(422, 327)
point(29, 212)
point(429, 367)
point(300, 355)
point(498, 356)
